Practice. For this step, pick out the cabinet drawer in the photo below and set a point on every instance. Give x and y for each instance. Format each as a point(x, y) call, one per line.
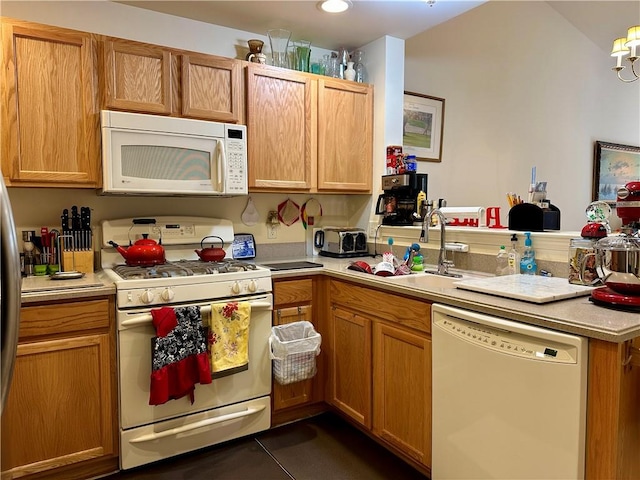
point(64, 317)
point(405, 311)
point(293, 291)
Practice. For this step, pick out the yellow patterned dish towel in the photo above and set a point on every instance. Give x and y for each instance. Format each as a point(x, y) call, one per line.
point(229, 337)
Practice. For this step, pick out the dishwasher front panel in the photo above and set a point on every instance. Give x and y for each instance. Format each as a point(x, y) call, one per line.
point(509, 399)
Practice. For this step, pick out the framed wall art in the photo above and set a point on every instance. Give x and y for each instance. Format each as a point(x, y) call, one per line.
point(614, 166)
point(422, 128)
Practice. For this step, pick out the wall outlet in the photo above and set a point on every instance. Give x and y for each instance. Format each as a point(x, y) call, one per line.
point(272, 232)
point(373, 226)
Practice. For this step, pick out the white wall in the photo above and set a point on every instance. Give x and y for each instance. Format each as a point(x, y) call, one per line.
point(523, 88)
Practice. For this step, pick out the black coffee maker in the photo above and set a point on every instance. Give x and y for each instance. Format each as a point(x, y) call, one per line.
point(398, 203)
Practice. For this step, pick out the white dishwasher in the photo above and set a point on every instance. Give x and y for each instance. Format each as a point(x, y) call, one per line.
point(509, 399)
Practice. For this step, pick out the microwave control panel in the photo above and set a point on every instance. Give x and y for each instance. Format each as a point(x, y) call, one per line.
point(236, 151)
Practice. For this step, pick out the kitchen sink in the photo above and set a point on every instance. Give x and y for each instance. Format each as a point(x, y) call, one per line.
point(430, 280)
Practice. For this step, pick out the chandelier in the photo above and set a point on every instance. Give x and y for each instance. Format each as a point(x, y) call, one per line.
point(621, 48)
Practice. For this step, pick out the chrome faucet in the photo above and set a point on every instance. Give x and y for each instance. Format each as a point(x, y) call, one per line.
point(443, 263)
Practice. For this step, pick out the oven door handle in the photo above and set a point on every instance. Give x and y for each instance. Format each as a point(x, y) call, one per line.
point(147, 318)
point(192, 426)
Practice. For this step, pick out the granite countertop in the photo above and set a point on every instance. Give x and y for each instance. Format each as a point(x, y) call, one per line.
point(578, 315)
point(44, 289)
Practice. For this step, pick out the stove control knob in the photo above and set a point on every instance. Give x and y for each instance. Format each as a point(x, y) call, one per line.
point(167, 294)
point(147, 296)
point(236, 287)
point(253, 286)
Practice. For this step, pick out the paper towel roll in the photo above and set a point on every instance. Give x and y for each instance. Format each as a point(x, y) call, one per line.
point(475, 214)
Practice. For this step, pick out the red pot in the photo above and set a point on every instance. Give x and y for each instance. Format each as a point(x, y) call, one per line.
point(211, 254)
point(145, 252)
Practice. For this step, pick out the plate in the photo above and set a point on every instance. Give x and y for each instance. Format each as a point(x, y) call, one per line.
point(70, 275)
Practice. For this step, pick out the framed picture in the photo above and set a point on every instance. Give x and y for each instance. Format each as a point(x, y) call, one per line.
point(613, 166)
point(423, 118)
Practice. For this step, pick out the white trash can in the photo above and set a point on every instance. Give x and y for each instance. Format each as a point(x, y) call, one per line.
point(294, 348)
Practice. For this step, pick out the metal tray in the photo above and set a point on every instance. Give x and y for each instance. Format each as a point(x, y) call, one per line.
point(291, 265)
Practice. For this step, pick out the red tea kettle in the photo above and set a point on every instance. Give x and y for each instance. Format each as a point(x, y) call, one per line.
point(145, 252)
point(211, 254)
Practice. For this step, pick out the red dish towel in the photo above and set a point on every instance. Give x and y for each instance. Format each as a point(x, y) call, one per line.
point(179, 355)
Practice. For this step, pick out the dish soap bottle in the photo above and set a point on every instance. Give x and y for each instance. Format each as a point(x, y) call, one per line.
point(528, 264)
point(514, 256)
point(502, 262)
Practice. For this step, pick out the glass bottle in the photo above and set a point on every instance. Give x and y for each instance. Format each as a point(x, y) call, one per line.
point(358, 60)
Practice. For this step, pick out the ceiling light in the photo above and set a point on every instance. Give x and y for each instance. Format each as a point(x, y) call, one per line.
point(335, 6)
point(621, 48)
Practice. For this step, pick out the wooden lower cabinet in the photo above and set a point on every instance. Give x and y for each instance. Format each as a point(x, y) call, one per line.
point(293, 303)
point(380, 367)
point(402, 390)
point(60, 420)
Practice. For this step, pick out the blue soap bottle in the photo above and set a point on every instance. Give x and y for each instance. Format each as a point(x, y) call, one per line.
point(528, 264)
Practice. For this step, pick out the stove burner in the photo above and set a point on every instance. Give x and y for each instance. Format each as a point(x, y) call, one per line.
point(182, 268)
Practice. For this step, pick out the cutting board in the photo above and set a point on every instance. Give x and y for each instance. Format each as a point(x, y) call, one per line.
point(530, 288)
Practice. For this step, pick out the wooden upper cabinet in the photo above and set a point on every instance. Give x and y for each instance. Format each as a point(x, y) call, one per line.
point(49, 108)
point(137, 77)
point(281, 129)
point(152, 79)
point(211, 88)
point(345, 136)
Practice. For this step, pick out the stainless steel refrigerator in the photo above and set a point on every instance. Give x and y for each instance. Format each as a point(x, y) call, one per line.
point(10, 290)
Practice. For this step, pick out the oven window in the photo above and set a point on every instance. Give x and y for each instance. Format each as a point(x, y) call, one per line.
point(165, 163)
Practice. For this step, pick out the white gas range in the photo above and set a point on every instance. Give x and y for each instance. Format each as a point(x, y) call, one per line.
point(230, 406)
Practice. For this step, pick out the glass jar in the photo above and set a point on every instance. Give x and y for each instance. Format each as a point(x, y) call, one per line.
point(582, 261)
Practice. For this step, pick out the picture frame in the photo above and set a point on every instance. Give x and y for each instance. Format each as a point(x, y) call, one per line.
point(614, 165)
point(422, 126)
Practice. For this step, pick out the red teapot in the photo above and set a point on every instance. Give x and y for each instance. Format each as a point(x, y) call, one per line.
point(211, 254)
point(145, 252)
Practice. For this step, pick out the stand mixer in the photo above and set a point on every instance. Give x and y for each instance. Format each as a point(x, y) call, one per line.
point(618, 257)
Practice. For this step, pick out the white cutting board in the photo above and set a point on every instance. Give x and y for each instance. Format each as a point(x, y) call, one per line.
point(530, 288)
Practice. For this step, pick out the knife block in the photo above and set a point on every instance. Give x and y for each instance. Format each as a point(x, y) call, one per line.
point(76, 260)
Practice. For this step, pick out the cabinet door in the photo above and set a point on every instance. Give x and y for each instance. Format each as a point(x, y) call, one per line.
point(137, 77)
point(211, 88)
point(345, 136)
point(350, 360)
point(402, 390)
point(59, 411)
point(285, 396)
point(49, 108)
point(281, 129)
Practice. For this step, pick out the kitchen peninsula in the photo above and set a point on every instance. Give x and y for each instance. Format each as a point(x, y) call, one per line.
point(613, 421)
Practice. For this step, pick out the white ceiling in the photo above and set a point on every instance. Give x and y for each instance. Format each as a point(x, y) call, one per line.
point(601, 21)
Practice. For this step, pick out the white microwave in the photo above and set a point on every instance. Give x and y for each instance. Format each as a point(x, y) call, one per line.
point(166, 156)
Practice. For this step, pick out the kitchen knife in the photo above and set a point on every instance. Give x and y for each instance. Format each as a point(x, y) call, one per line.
point(65, 229)
point(85, 220)
point(75, 227)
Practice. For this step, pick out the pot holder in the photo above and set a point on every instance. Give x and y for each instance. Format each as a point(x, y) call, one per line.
point(288, 212)
point(250, 216)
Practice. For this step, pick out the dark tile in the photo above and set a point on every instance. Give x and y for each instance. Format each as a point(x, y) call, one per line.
point(326, 447)
point(241, 459)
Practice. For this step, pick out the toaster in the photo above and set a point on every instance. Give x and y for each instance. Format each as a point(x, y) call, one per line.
point(341, 241)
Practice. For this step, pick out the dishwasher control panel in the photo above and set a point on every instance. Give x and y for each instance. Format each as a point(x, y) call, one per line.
point(511, 343)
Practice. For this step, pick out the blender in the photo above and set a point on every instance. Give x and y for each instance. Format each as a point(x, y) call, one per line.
point(618, 257)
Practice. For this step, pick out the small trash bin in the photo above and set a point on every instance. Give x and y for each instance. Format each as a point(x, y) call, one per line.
point(294, 348)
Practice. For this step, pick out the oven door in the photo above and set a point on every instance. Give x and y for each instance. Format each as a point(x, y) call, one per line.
point(135, 332)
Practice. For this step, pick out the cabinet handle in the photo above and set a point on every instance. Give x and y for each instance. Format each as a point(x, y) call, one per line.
point(192, 426)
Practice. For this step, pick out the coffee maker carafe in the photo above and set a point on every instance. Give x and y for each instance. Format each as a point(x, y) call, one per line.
point(398, 203)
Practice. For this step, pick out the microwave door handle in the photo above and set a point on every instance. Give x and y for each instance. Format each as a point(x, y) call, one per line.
point(221, 166)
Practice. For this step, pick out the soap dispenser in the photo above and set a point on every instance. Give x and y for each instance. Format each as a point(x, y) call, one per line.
point(528, 264)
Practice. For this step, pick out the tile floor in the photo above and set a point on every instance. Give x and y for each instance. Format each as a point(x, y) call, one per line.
point(323, 447)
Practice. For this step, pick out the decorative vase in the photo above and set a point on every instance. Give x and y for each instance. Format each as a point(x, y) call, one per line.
point(350, 73)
